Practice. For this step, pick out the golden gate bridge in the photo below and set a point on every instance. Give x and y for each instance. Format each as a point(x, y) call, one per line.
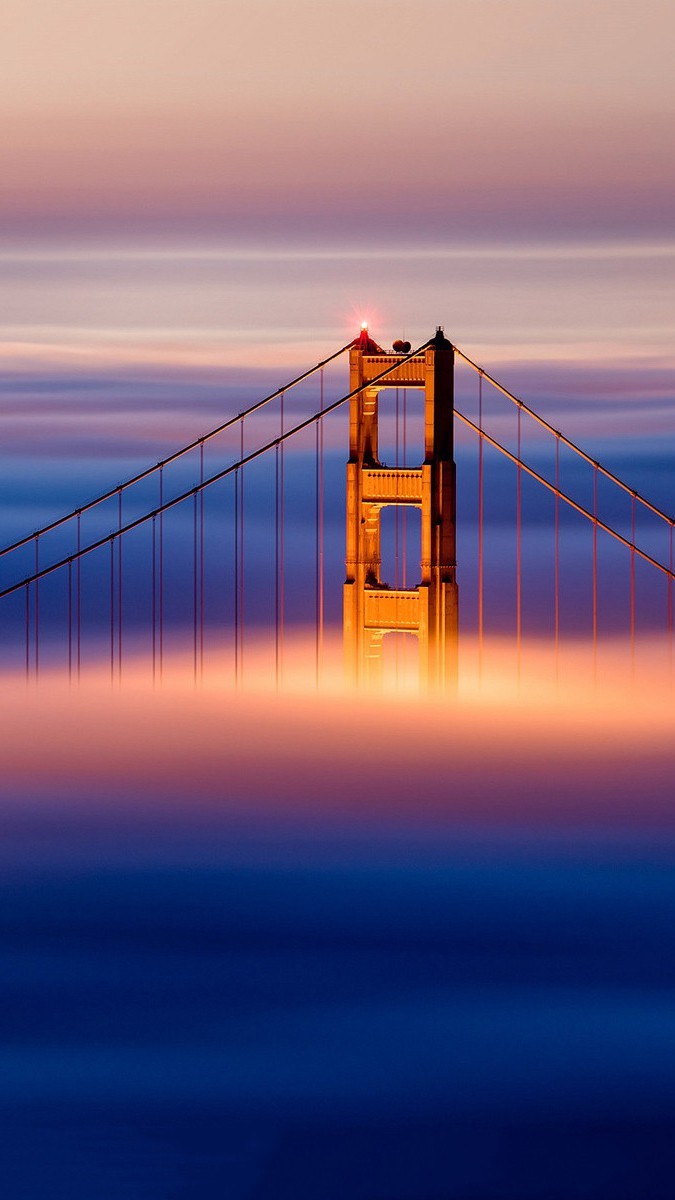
point(224, 540)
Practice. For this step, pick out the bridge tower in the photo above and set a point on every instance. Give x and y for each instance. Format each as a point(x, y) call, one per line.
point(371, 607)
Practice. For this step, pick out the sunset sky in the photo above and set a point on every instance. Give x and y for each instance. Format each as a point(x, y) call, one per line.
point(418, 121)
point(181, 177)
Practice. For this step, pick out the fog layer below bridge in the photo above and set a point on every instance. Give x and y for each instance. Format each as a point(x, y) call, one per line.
point(263, 945)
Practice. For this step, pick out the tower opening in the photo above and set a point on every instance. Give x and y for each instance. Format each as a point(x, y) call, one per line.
point(400, 427)
point(400, 546)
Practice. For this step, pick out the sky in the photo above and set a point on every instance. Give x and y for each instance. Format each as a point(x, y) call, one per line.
point(390, 119)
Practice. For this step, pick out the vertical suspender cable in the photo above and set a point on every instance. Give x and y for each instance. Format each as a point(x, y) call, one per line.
point(397, 574)
point(70, 620)
point(112, 611)
point(480, 525)
point(119, 590)
point(318, 535)
point(195, 587)
point(404, 514)
point(241, 555)
point(276, 566)
point(321, 526)
point(161, 573)
point(282, 538)
point(632, 587)
point(518, 545)
point(153, 615)
point(397, 510)
point(316, 557)
point(595, 570)
point(201, 562)
point(78, 595)
point(236, 577)
point(670, 607)
point(27, 626)
point(556, 584)
point(37, 606)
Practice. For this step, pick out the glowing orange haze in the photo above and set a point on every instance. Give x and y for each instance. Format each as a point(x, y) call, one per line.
point(575, 754)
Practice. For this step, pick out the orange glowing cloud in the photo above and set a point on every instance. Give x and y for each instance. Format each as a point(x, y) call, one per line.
point(546, 755)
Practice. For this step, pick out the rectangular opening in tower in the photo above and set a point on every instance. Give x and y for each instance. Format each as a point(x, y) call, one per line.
point(400, 546)
point(401, 427)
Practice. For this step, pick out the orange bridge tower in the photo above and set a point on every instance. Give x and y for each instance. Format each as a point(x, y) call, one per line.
point(371, 607)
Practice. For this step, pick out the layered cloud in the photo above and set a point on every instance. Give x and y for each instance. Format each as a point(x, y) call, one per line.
point(392, 118)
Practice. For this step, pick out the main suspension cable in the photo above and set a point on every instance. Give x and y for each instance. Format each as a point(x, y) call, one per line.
point(77, 512)
point(566, 441)
point(551, 487)
point(233, 469)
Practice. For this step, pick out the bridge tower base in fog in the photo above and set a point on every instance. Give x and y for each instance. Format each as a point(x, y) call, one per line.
point(371, 607)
